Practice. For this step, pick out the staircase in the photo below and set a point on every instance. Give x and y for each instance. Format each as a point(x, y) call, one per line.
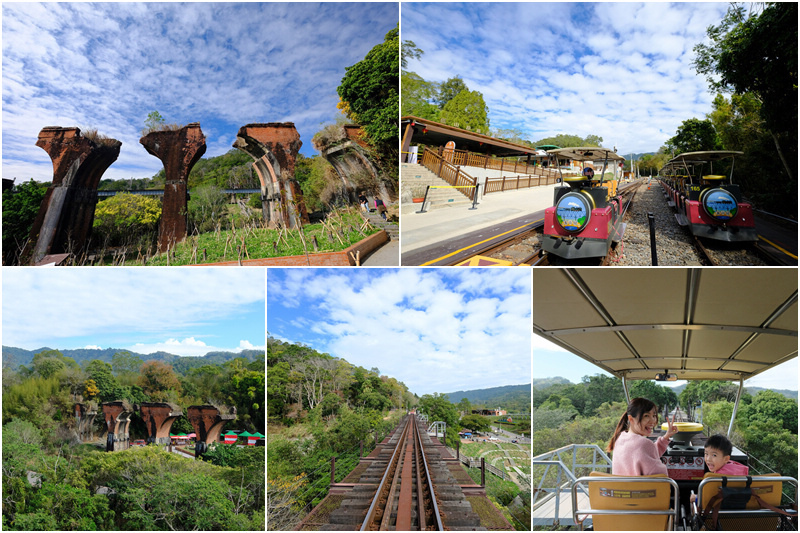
point(415, 177)
point(392, 228)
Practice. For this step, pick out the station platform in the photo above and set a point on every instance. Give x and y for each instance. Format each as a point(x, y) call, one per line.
point(418, 230)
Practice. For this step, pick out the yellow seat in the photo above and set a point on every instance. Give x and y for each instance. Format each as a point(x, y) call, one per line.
point(623, 503)
point(753, 517)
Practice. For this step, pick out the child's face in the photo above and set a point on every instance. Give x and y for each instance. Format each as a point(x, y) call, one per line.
point(714, 459)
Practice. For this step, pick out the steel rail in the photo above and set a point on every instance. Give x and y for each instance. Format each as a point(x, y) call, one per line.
point(372, 512)
point(429, 483)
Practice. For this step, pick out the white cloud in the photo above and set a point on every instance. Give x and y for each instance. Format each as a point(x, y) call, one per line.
point(222, 64)
point(189, 347)
point(92, 301)
point(618, 70)
point(435, 330)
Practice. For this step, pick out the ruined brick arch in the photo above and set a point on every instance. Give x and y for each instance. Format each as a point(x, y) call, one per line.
point(64, 221)
point(158, 418)
point(274, 147)
point(178, 150)
point(349, 157)
point(117, 416)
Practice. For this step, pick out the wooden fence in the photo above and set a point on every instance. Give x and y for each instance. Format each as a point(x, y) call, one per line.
point(471, 159)
point(450, 173)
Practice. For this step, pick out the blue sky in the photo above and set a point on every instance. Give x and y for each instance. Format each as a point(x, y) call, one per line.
point(436, 330)
point(618, 70)
point(221, 64)
point(552, 361)
point(184, 311)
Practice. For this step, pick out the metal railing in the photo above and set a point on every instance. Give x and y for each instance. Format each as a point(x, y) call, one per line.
point(450, 173)
point(562, 464)
point(517, 182)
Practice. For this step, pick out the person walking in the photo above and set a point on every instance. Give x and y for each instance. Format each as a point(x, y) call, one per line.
point(381, 207)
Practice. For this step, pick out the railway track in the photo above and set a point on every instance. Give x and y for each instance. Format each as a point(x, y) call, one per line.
point(407, 487)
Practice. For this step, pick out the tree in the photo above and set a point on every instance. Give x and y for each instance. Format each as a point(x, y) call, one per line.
point(601, 389)
point(371, 90)
point(770, 405)
point(207, 208)
point(153, 122)
point(409, 51)
point(90, 390)
point(467, 111)
point(51, 362)
point(757, 53)
point(125, 363)
point(125, 217)
point(660, 395)
point(464, 407)
point(157, 379)
point(100, 373)
point(694, 135)
point(449, 89)
point(475, 423)
point(438, 408)
point(21, 204)
point(417, 97)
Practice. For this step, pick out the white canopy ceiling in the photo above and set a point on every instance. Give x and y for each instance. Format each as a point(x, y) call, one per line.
point(720, 323)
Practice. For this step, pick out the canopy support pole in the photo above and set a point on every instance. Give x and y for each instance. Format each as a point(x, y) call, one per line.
point(736, 406)
point(625, 388)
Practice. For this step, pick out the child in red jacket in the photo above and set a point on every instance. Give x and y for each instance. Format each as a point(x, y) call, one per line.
point(717, 454)
point(718, 457)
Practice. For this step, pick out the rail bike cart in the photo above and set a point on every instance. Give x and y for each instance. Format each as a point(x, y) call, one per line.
point(586, 214)
point(709, 205)
point(669, 325)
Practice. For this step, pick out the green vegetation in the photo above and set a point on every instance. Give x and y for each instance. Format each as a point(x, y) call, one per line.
point(123, 215)
point(52, 481)
point(369, 95)
point(20, 206)
point(449, 102)
point(337, 232)
point(751, 66)
point(320, 406)
point(765, 426)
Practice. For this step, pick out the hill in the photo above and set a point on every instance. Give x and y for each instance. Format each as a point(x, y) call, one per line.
point(543, 383)
point(510, 397)
point(752, 391)
point(19, 356)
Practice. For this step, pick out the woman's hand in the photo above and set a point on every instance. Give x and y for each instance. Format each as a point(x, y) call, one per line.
point(671, 429)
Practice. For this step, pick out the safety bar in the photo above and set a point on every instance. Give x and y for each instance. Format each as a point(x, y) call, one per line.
point(674, 512)
point(733, 479)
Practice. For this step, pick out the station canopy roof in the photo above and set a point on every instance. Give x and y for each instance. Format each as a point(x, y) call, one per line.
point(701, 324)
point(437, 134)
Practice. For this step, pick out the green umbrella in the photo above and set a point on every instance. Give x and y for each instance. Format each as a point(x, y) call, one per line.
point(245, 434)
point(257, 434)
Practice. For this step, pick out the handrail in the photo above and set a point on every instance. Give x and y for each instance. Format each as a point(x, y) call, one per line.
point(564, 475)
point(452, 174)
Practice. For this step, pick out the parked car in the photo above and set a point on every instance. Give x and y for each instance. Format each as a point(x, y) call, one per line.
point(513, 441)
point(138, 442)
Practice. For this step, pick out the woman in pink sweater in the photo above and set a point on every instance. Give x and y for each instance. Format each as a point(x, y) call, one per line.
point(634, 453)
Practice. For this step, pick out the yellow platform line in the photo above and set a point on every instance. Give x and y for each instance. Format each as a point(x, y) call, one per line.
point(477, 243)
point(778, 247)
